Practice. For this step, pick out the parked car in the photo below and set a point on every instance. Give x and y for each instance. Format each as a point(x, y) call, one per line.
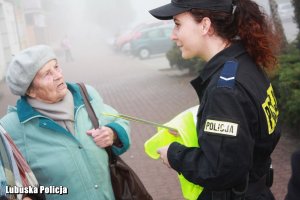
point(122, 42)
point(152, 41)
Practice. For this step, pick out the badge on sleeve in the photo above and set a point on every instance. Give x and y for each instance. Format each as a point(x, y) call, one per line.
point(271, 109)
point(221, 127)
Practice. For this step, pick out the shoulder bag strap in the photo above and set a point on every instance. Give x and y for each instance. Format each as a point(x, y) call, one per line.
point(92, 114)
point(88, 105)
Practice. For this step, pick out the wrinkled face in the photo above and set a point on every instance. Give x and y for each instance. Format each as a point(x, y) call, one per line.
point(187, 34)
point(48, 84)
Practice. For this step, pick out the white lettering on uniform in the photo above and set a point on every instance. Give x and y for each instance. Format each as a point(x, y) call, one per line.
point(221, 127)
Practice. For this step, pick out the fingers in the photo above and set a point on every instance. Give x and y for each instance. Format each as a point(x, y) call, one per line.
point(158, 151)
point(27, 198)
point(165, 161)
point(103, 137)
point(89, 132)
point(93, 132)
point(163, 155)
point(173, 132)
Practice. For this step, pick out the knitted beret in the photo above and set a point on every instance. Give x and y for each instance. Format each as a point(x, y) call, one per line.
point(25, 65)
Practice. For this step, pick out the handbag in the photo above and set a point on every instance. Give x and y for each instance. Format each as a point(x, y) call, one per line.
point(125, 182)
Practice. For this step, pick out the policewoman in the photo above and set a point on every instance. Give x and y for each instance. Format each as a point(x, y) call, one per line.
point(237, 121)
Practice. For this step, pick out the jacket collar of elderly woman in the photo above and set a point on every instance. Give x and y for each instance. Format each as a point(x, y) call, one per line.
point(26, 112)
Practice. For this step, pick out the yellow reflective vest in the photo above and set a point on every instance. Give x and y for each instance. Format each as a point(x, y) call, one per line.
point(186, 126)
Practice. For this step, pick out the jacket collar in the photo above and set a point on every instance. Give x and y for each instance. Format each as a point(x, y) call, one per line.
point(215, 64)
point(233, 51)
point(26, 112)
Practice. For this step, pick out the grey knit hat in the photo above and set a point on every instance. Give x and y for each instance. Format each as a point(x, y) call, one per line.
point(24, 66)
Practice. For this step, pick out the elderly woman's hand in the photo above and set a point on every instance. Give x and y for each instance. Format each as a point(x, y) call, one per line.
point(103, 137)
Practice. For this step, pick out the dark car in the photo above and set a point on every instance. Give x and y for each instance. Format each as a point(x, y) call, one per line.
point(151, 41)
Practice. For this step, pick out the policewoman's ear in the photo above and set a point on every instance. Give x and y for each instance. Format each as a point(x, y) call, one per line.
point(206, 27)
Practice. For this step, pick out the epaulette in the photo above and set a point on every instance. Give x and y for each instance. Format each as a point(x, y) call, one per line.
point(228, 73)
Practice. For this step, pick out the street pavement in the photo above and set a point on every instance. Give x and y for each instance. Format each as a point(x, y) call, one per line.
point(151, 90)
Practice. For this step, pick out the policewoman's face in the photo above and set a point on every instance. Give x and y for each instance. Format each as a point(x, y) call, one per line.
point(48, 84)
point(187, 34)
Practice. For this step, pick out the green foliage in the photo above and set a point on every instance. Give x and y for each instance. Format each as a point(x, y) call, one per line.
point(287, 82)
point(176, 60)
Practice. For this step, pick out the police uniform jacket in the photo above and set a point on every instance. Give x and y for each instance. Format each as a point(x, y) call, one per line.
point(236, 124)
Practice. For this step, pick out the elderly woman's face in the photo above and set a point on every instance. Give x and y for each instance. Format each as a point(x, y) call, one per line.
point(48, 84)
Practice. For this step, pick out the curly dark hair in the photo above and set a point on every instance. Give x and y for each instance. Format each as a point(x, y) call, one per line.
point(249, 24)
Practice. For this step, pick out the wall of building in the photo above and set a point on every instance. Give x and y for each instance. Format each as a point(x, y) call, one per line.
point(9, 40)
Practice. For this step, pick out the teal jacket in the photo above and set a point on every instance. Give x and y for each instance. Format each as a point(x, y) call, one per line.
point(59, 158)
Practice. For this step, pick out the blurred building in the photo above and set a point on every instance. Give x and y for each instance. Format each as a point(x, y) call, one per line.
point(35, 22)
point(22, 24)
point(9, 35)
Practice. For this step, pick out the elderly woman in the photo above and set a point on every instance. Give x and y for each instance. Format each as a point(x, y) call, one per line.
point(51, 127)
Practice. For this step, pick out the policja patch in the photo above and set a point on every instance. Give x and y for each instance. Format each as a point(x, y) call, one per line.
point(221, 127)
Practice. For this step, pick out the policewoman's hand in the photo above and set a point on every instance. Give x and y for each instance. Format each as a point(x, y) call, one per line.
point(163, 155)
point(103, 137)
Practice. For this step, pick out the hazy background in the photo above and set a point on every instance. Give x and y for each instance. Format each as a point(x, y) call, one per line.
point(104, 20)
point(84, 21)
point(146, 88)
